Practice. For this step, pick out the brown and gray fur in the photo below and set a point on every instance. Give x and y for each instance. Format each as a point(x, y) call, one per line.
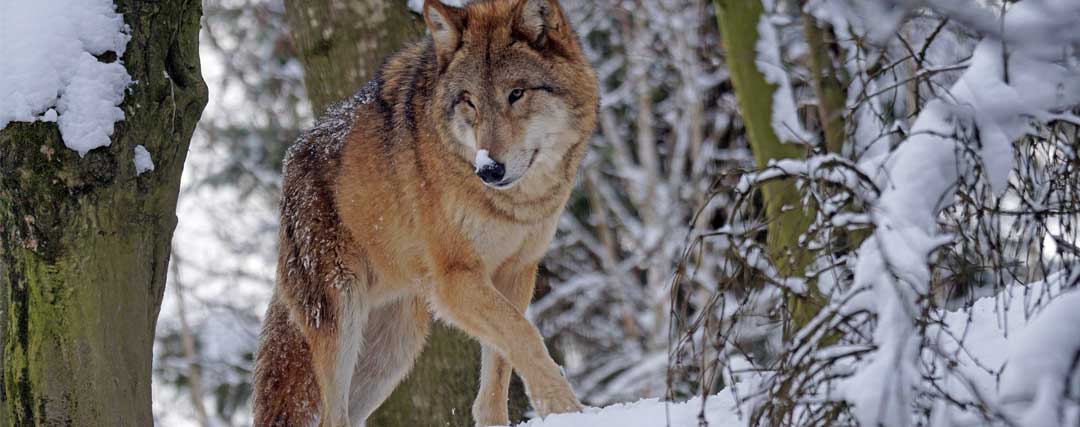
point(384, 220)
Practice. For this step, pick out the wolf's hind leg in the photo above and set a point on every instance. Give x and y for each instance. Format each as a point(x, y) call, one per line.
point(335, 349)
point(393, 337)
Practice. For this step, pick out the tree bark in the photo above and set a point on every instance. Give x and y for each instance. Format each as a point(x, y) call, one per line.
point(342, 44)
point(788, 218)
point(738, 20)
point(829, 81)
point(85, 241)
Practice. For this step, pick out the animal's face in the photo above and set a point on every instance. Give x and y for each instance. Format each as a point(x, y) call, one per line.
point(514, 87)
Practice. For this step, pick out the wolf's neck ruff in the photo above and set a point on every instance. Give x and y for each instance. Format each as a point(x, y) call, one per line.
point(437, 186)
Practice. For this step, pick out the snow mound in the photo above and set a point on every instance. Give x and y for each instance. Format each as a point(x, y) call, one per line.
point(1016, 350)
point(49, 70)
point(719, 412)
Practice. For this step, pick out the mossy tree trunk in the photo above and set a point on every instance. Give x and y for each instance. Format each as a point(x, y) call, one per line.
point(84, 242)
point(828, 79)
point(738, 21)
point(789, 219)
point(341, 44)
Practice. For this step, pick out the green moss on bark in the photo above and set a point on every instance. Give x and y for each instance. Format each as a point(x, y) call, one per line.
point(738, 20)
point(441, 388)
point(788, 218)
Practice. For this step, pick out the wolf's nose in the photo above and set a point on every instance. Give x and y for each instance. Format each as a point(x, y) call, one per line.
point(491, 172)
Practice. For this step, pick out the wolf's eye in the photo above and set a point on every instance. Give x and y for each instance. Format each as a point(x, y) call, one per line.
point(515, 95)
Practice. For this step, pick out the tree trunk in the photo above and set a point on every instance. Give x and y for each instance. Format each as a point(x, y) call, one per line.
point(829, 81)
point(788, 218)
point(738, 20)
point(342, 44)
point(85, 242)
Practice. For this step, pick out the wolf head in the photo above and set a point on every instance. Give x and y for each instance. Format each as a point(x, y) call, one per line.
point(515, 93)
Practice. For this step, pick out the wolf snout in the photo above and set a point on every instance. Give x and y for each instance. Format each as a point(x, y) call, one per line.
point(491, 172)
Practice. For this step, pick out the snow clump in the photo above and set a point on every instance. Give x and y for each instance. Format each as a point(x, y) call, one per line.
point(50, 71)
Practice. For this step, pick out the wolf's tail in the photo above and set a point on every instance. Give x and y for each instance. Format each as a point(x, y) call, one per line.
point(286, 391)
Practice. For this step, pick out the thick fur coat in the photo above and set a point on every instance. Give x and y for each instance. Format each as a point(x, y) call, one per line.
point(386, 221)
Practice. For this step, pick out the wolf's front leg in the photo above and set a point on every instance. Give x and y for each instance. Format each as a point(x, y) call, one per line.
point(490, 406)
point(467, 297)
point(489, 409)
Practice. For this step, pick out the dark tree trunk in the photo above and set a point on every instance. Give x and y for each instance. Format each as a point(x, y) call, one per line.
point(342, 43)
point(84, 242)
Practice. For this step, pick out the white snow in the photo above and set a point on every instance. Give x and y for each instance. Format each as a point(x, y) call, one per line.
point(919, 175)
point(143, 162)
point(785, 118)
point(719, 412)
point(482, 160)
point(1016, 350)
point(418, 5)
point(48, 70)
point(1040, 357)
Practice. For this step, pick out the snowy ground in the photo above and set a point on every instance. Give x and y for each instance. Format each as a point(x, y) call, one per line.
point(718, 411)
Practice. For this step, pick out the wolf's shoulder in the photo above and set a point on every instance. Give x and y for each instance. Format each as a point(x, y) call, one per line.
point(323, 142)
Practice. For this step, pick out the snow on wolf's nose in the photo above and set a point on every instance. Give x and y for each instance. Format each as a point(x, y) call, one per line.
point(488, 169)
point(482, 160)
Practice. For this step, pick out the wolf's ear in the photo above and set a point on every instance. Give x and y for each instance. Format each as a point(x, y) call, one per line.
point(542, 23)
point(446, 24)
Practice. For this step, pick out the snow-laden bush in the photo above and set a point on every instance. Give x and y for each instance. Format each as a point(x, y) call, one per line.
point(665, 133)
point(957, 187)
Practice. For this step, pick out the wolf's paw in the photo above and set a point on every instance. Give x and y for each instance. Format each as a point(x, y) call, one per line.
point(487, 414)
point(557, 404)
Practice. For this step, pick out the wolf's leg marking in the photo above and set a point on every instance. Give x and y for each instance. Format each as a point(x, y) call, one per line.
point(286, 393)
point(466, 297)
point(490, 406)
point(393, 337)
point(335, 351)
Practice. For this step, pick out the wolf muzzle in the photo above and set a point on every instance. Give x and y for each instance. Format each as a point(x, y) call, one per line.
point(492, 172)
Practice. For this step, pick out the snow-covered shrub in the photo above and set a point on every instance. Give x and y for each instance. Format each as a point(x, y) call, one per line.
point(665, 133)
point(952, 206)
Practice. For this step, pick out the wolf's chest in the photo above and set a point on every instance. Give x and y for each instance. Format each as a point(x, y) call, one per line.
point(497, 242)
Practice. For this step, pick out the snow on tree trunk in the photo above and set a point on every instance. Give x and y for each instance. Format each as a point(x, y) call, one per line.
point(85, 240)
